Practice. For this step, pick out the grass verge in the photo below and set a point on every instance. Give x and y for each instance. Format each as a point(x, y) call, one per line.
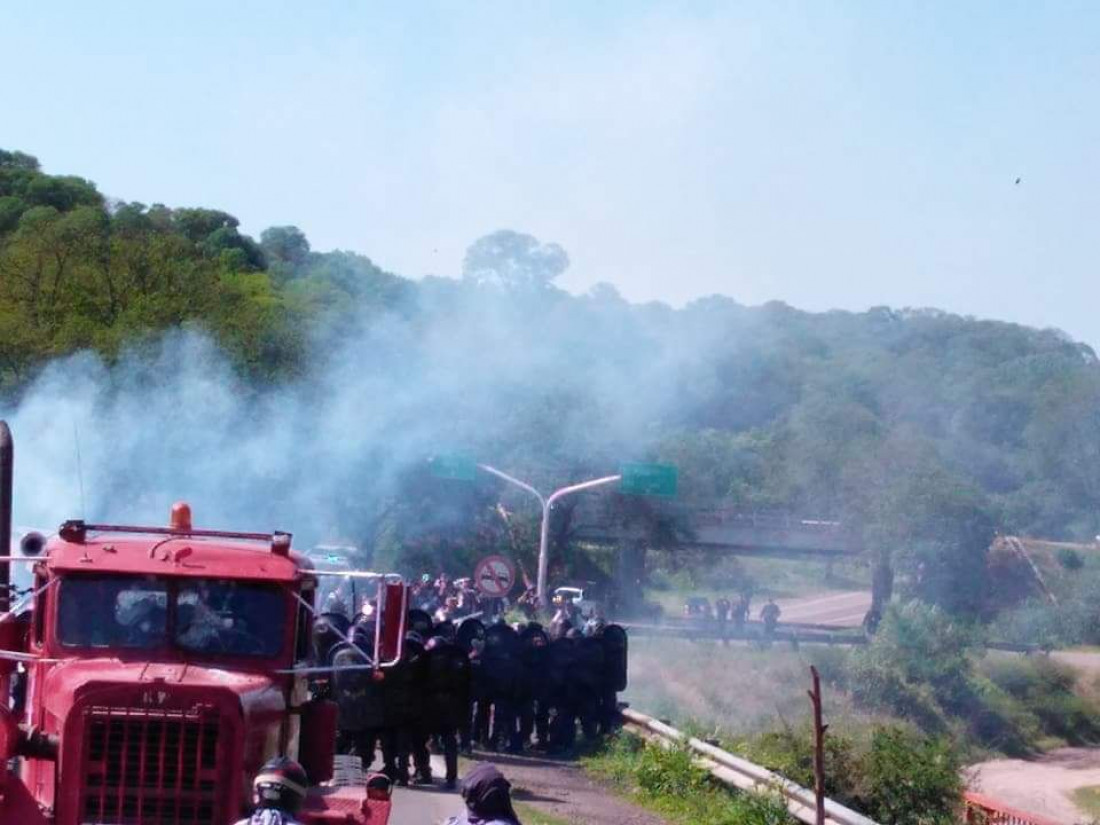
point(1088, 800)
point(668, 783)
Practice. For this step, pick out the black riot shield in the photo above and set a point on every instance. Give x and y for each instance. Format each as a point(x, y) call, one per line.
point(420, 621)
point(329, 630)
point(615, 656)
point(469, 630)
point(448, 674)
point(501, 641)
point(534, 643)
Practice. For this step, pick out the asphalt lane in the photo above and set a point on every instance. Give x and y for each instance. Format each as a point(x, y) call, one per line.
point(845, 609)
point(427, 805)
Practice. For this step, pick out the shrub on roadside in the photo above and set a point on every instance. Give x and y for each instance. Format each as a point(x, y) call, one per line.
point(1045, 690)
point(668, 782)
point(909, 779)
point(789, 752)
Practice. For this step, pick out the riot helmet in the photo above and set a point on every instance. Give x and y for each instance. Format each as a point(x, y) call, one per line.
point(281, 784)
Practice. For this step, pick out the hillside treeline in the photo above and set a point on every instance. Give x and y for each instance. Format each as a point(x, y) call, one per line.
point(928, 430)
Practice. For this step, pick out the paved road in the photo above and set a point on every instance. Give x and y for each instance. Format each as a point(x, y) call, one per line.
point(836, 609)
point(425, 805)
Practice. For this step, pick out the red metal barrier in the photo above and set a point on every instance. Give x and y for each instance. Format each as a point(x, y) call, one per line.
point(981, 810)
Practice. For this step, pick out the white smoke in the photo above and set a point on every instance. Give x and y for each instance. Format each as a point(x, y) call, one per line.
point(494, 373)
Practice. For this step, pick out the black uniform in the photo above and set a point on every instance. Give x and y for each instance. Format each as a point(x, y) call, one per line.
point(447, 697)
point(361, 721)
point(563, 661)
point(586, 683)
point(404, 690)
point(501, 679)
point(534, 703)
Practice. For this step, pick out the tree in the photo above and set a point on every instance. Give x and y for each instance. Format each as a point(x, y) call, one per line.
point(285, 244)
point(514, 260)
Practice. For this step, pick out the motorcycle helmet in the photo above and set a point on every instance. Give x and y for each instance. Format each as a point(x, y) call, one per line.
point(281, 783)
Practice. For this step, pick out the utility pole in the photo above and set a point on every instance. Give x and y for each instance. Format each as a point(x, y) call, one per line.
point(819, 748)
point(547, 503)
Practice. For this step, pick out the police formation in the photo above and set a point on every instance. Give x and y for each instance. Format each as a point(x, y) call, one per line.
point(464, 683)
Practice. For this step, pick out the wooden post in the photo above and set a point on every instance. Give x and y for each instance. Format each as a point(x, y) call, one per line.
point(819, 747)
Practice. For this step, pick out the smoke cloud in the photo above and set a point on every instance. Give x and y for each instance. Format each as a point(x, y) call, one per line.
point(497, 374)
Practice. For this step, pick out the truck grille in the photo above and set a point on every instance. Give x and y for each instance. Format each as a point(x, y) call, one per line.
point(151, 767)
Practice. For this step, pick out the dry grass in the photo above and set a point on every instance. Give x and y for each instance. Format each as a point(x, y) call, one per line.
point(733, 691)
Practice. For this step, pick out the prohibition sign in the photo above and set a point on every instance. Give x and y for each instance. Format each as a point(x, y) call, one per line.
point(494, 576)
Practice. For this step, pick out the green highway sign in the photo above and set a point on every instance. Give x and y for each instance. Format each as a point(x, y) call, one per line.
point(649, 480)
point(453, 466)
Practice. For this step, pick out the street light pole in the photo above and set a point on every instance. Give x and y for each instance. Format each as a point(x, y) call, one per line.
point(544, 534)
point(547, 503)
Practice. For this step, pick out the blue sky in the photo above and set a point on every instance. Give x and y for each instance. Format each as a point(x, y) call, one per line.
point(828, 154)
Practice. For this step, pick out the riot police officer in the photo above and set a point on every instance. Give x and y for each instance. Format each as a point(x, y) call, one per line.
point(404, 691)
point(502, 676)
point(563, 723)
point(534, 704)
point(447, 701)
point(587, 680)
point(362, 724)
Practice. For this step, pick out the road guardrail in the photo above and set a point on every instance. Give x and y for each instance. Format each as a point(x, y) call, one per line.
point(742, 774)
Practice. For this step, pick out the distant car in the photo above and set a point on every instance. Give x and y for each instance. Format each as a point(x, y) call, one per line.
point(698, 607)
point(580, 598)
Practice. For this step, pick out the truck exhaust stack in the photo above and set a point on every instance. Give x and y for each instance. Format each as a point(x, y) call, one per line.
point(7, 466)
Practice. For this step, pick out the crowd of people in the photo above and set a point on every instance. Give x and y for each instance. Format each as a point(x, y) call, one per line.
point(445, 598)
point(468, 678)
point(735, 612)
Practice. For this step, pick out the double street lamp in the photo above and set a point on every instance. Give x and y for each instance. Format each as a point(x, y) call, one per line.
point(547, 503)
point(637, 479)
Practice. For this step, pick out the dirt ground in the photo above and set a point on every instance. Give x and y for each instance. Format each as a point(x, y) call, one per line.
point(555, 787)
point(1044, 785)
point(565, 791)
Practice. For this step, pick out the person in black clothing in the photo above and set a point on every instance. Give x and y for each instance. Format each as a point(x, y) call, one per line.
point(488, 799)
point(563, 695)
point(502, 675)
point(534, 704)
point(360, 697)
point(404, 691)
point(447, 701)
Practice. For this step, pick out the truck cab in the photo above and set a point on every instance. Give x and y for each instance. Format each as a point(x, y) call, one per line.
point(162, 667)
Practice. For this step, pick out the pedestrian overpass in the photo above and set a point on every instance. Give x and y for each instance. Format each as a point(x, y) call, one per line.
point(726, 530)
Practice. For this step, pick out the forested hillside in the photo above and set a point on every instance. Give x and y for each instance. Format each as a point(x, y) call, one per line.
point(914, 423)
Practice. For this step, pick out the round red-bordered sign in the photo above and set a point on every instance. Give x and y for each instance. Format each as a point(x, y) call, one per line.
point(494, 576)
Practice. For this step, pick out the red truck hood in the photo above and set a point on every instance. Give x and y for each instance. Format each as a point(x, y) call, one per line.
point(101, 680)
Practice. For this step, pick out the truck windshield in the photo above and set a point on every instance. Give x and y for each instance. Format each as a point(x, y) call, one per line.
point(239, 618)
point(113, 612)
point(200, 615)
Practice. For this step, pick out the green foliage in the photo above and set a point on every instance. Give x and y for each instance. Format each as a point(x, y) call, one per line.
point(911, 779)
point(789, 752)
point(1046, 691)
point(668, 782)
point(513, 260)
point(1070, 559)
point(920, 430)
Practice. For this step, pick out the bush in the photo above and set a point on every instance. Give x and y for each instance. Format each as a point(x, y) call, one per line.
point(910, 779)
point(1070, 559)
point(789, 752)
point(668, 782)
point(669, 773)
point(1045, 690)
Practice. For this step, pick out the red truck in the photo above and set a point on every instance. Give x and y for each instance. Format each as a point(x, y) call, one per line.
point(153, 670)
